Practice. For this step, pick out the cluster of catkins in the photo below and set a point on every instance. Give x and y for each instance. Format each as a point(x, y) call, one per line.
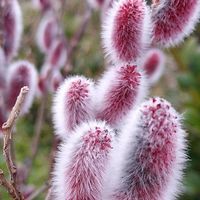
point(18, 73)
point(15, 74)
point(115, 144)
point(52, 43)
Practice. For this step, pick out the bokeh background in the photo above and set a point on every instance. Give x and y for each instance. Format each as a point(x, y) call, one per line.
point(180, 85)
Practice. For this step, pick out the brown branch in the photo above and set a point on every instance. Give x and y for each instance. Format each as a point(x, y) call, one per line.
point(7, 132)
point(39, 191)
point(49, 195)
point(9, 187)
point(38, 127)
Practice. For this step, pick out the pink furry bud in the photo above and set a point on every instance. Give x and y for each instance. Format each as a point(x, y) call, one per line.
point(43, 82)
point(118, 91)
point(81, 163)
point(126, 30)
point(42, 85)
point(12, 28)
point(21, 73)
point(47, 32)
point(73, 105)
point(56, 81)
point(96, 3)
point(152, 155)
point(44, 5)
point(106, 6)
point(57, 54)
point(174, 20)
point(153, 65)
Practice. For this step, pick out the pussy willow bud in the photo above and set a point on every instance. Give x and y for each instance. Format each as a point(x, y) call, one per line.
point(73, 104)
point(119, 90)
point(81, 163)
point(126, 30)
point(47, 32)
point(12, 28)
point(173, 20)
point(57, 54)
point(151, 155)
point(21, 73)
point(153, 65)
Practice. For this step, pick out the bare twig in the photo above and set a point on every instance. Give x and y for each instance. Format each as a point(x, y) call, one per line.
point(38, 127)
point(39, 191)
point(49, 195)
point(8, 186)
point(7, 132)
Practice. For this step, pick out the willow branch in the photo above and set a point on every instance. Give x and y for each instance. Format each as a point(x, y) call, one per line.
point(49, 195)
point(39, 191)
point(8, 186)
point(7, 129)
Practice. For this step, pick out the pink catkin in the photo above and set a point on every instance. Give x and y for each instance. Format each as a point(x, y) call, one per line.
point(21, 73)
point(12, 24)
point(57, 54)
point(81, 163)
point(47, 32)
point(153, 65)
point(73, 104)
point(56, 81)
point(20, 79)
point(106, 6)
point(126, 30)
point(78, 91)
point(97, 4)
point(154, 155)
point(45, 78)
point(173, 20)
point(44, 5)
point(119, 90)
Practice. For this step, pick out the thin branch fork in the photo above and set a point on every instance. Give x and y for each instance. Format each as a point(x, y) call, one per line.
point(9, 187)
point(7, 132)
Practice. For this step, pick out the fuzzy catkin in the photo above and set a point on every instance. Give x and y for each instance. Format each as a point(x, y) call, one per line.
point(81, 162)
point(126, 30)
point(73, 104)
point(21, 73)
point(119, 90)
point(152, 155)
point(173, 20)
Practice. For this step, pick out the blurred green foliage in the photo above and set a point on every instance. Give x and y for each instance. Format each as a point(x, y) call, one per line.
point(188, 58)
point(180, 85)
